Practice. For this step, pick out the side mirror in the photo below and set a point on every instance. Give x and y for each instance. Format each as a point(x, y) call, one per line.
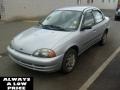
point(86, 27)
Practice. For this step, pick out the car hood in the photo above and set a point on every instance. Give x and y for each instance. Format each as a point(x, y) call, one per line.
point(35, 38)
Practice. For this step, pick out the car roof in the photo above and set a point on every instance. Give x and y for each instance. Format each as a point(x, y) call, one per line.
point(77, 8)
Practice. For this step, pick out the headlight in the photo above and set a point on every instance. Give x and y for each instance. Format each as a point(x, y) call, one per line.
point(44, 53)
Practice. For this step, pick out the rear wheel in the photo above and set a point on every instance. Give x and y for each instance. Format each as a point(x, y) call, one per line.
point(103, 39)
point(115, 18)
point(69, 61)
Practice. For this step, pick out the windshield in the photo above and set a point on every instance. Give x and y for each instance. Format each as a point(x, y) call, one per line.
point(62, 20)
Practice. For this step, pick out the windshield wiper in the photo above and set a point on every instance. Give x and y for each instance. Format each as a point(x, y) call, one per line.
point(53, 27)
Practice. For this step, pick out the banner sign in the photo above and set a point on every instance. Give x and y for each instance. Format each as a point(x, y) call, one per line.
point(16, 83)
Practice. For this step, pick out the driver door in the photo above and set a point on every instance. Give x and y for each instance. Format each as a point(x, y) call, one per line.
point(88, 31)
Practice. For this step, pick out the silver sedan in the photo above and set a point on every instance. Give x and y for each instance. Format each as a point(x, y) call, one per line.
point(55, 43)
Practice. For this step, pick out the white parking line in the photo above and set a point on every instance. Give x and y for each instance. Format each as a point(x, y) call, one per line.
point(87, 84)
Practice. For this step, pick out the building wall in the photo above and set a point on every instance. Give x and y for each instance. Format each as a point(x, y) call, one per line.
point(103, 4)
point(15, 9)
point(1, 9)
point(118, 3)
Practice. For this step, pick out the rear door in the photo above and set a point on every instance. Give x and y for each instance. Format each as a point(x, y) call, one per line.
point(100, 23)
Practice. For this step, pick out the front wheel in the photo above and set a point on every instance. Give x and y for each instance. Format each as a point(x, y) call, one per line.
point(69, 61)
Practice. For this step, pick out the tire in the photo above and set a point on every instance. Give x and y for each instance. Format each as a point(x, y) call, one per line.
point(69, 61)
point(103, 39)
point(115, 18)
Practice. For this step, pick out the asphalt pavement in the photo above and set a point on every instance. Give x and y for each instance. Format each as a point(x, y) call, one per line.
point(110, 77)
point(88, 63)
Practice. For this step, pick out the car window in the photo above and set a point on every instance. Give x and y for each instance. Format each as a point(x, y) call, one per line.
point(98, 16)
point(65, 19)
point(88, 19)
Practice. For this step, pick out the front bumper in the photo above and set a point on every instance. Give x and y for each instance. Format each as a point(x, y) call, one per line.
point(36, 63)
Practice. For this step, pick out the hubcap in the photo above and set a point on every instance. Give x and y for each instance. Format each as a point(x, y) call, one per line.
point(70, 62)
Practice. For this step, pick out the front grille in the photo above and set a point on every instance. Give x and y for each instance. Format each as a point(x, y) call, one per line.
point(22, 52)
